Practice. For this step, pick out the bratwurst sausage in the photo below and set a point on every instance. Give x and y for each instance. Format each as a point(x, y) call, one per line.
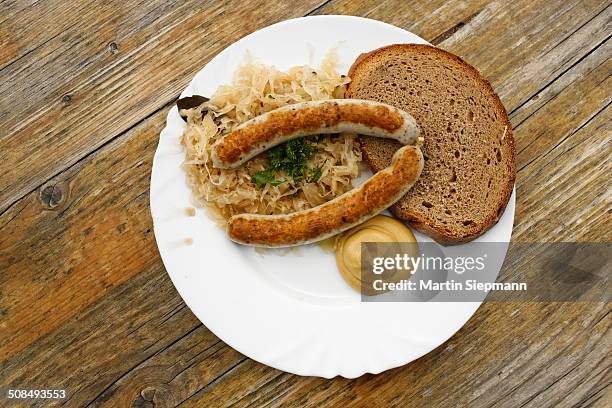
point(307, 118)
point(351, 208)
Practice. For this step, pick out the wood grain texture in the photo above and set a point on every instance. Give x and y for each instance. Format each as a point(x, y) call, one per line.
point(78, 90)
point(85, 303)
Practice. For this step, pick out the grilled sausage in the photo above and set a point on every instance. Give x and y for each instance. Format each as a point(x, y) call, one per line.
point(308, 118)
point(351, 208)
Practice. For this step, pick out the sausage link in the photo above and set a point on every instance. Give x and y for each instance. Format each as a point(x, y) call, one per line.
point(340, 214)
point(309, 118)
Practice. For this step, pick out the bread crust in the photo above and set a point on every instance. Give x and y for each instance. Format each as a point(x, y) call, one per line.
point(432, 227)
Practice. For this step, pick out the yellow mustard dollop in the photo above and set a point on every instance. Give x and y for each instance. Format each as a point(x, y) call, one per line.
point(348, 246)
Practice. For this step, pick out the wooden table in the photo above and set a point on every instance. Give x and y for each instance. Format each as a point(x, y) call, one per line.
point(85, 302)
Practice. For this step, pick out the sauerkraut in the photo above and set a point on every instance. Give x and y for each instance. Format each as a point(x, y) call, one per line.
point(258, 88)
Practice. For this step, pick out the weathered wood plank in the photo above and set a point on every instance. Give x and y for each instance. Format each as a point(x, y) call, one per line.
point(430, 20)
point(79, 90)
point(562, 113)
point(172, 376)
point(103, 294)
point(82, 215)
point(51, 18)
point(100, 204)
point(592, 60)
point(598, 99)
point(484, 365)
point(113, 336)
point(134, 288)
point(529, 44)
point(602, 398)
point(565, 191)
point(212, 397)
point(554, 147)
point(53, 122)
point(519, 46)
point(48, 253)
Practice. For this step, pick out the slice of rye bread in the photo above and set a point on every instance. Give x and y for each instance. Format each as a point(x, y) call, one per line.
point(469, 150)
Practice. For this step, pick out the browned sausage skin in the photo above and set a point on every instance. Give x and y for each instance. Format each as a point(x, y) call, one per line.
point(313, 117)
point(350, 209)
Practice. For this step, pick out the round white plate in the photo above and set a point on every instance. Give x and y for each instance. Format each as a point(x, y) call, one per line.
point(290, 311)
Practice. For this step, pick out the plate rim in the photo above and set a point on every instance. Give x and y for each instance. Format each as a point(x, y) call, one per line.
point(201, 315)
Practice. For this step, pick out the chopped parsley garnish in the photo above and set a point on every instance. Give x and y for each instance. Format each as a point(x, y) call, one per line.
point(264, 177)
point(290, 158)
point(315, 174)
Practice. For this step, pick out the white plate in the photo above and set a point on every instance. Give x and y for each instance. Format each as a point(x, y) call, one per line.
point(292, 312)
